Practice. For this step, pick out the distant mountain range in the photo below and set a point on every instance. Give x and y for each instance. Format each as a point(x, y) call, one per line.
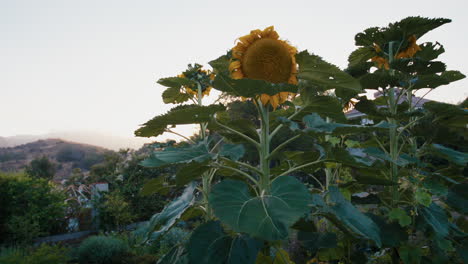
point(102, 140)
point(66, 155)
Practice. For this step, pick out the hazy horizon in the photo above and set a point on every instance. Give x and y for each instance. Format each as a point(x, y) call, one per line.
point(93, 65)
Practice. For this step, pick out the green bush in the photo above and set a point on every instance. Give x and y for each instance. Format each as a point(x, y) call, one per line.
point(102, 249)
point(29, 207)
point(45, 254)
point(11, 255)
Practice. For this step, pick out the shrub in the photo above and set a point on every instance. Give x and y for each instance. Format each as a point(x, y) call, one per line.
point(47, 254)
point(11, 255)
point(29, 207)
point(102, 249)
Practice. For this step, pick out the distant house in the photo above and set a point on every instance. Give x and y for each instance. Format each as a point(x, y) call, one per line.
point(417, 102)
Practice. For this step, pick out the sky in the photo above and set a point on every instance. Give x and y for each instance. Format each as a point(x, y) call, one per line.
point(88, 65)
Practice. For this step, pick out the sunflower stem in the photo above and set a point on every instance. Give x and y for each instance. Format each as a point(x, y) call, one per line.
point(264, 151)
point(393, 105)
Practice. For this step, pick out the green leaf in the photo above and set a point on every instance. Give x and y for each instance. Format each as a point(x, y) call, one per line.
point(436, 217)
point(232, 151)
point(350, 216)
point(457, 197)
point(209, 244)
point(281, 257)
point(415, 65)
point(400, 215)
point(314, 241)
point(221, 64)
point(402, 160)
point(163, 221)
point(269, 216)
point(435, 187)
point(192, 171)
point(423, 197)
point(316, 124)
point(435, 80)
point(250, 88)
point(430, 51)
point(170, 155)
point(180, 115)
point(410, 254)
point(323, 74)
point(156, 185)
point(328, 106)
point(176, 255)
point(392, 234)
point(380, 79)
point(449, 154)
point(174, 96)
point(176, 82)
point(361, 55)
point(400, 30)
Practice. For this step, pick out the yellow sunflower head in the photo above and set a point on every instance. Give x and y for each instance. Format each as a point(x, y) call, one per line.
point(261, 55)
point(197, 74)
point(409, 52)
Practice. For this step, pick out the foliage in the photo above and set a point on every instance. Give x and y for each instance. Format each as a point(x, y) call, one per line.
point(30, 207)
point(353, 192)
point(102, 249)
point(115, 212)
point(41, 168)
point(44, 254)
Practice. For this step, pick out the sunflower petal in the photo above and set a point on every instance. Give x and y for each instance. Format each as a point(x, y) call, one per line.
point(265, 98)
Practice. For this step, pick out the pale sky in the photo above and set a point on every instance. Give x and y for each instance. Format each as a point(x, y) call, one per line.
point(92, 65)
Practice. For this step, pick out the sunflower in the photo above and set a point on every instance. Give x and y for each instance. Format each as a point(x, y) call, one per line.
point(261, 55)
point(409, 52)
point(203, 77)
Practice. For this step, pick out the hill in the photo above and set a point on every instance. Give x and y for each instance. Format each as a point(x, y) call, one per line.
point(108, 141)
point(66, 155)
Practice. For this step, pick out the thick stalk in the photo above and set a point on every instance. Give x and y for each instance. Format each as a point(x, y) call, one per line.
point(328, 171)
point(393, 105)
point(207, 176)
point(264, 151)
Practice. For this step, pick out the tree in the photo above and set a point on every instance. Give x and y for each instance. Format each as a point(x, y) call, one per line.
point(41, 168)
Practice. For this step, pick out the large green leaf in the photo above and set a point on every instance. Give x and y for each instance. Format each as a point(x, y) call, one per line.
point(316, 124)
point(328, 106)
point(436, 217)
point(314, 241)
point(399, 31)
point(198, 152)
point(176, 82)
point(342, 213)
point(451, 155)
point(209, 244)
point(191, 171)
point(436, 80)
point(415, 65)
point(457, 197)
point(232, 151)
point(250, 88)
point(221, 64)
point(268, 216)
point(392, 234)
point(323, 74)
point(163, 221)
point(180, 115)
point(176, 255)
point(361, 55)
point(156, 185)
point(174, 96)
point(430, 51)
